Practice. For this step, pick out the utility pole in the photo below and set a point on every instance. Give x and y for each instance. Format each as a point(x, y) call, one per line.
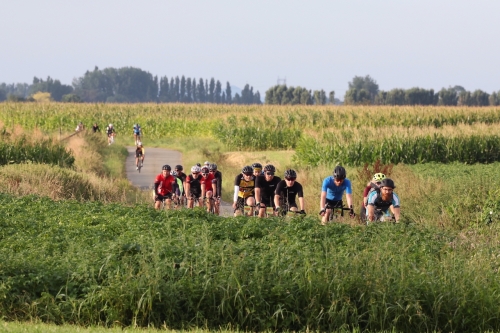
point(282, 80)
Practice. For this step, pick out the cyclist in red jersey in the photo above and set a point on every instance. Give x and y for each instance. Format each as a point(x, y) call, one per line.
point(164, 186)
point(206, 185)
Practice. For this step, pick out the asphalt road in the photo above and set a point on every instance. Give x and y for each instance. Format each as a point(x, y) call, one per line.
point(154, 159)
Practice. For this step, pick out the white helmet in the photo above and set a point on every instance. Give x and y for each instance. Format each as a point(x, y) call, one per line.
point(195, 168)
point(110, 125)
point(206, 163)
point(139, 143)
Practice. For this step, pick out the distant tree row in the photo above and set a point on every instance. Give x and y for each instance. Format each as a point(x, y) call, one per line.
point(130, 85)
point(188, 91)
point(365, 90)
point(283, 95)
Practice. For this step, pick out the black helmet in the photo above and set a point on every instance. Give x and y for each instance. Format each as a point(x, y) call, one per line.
point(247, 169)
point(212, 167)
point(178, 167)
point(204, 170)
point(198, 164)
point(257, 166)
point(388, 182)
point(339, 172)
point(166, 167)
point(290, 173)
point(270, 168)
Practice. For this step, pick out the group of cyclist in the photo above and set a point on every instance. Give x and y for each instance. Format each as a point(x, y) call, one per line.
point(258, 191)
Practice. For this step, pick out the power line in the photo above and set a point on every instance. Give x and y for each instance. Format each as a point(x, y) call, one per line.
point(282, 80)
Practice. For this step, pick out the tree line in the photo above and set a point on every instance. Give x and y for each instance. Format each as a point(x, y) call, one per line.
point(283, 95)
point(130, 85)
point(365, 90)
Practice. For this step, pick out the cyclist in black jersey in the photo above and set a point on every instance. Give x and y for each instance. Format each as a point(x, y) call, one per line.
point(265, 186)
point(182, 176)
point(244, 185)
point(285, 194)
point(193, 187)
point(217, 186)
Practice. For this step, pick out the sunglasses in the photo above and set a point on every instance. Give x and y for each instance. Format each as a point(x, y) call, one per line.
point(291, 178)
point(195, 173)
point(204, 174)
point(248, 173)
point(339, 180)
point(270, 173)
point(212, 171)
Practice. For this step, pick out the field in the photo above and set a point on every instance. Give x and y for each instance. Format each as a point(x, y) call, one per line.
point(105, 257)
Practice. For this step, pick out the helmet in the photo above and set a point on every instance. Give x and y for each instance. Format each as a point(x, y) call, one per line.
point(257, 166)
point(290, 173)
point(378, 177)
point(195, 168)
point(204, 170)
point(174, 173)
point(247, 169)
point(178, 167)
point(339, 172)
point(198, 164)
point(212, 167)
point(270, 168)
point(135, 125)
point(110, 125)
point(166, 167)
point(139, 143)
point(206, 163)
point(387, 182)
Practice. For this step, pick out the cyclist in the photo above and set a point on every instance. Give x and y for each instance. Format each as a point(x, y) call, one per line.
point(139, 155)
point(331, 193)
point(206, 187)
point(371, 186)
point(206, 164)
point(193, 187)
point(244, 185)
point(137, 133)
point(182, 176)
point(79, 127)
point(95, 128)
point(217, 185)
point(381, 203)
point(286, 191)
point(110, 131)
point(257, 169)
point(264, 189)
point(179, 189)
point(164, 186)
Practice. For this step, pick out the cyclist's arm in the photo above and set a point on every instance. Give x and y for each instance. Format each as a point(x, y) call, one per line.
point(301, 202)
point(322, 201)
point(157, 184)
point(203, 190)
point(396, 211)
point(370, 209)
point(349, 200)
point(257, 195)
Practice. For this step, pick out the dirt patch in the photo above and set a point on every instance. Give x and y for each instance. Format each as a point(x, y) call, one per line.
point(238, 159)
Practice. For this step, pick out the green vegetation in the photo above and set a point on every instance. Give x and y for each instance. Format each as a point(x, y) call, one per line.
point(89, 263)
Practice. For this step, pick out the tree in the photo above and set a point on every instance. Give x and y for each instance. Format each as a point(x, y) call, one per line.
point(188, 91)
point(331, 97)
point(447, 96)
point(53, 87)
point(194, 91)
point(480, 98)
point(182, 95)
point(211, 91)
point(228, 93)
point(71, 98)
point(218, 90)
point(354, 94)
point(495, 98)
point(164, 90)
point(319, 97)
point(3, 95)
point(201, 92)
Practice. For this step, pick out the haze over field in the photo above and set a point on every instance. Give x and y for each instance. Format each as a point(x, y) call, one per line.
point(314, 44)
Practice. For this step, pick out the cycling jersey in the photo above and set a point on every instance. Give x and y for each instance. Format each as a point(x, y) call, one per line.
point(245, 188)
point(218, 182)
point(137, 130)
point(289, 193)
point(139, 151)
point(267, 188)
point(375, 199)
point(110, 130)
point(208, 180)
point(194, 185)
point(164, 185)
point(334, 192)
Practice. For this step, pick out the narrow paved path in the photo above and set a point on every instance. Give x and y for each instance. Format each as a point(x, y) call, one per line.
point(154, 159)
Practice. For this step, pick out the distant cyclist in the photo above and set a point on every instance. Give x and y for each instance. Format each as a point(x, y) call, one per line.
point(193, 187)
point(265, 186)
point(217, 185)
point(381, 203)
point(182, 176)
point(257, 169)
point(139, 155)
point(95, 128)
point(164, 187)
point(207, 192)
point(244, 185)
point(286, 192)
point(110, 132)
point(137, 133)
point(179, 189)
point(332, 191)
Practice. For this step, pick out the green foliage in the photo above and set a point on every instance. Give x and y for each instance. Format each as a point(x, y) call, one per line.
point(395, 149)
point(45, 151)
point(283, 95)
point(54, 87)
point(362, 90)
point(95, 264)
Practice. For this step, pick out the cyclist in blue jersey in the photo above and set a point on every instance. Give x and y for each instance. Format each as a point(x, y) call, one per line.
point(137, 133)
point(383, 202)
point(332, 191)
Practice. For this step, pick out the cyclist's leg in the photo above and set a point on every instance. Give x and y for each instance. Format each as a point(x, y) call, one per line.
point(158, 201)
point(217, 206)
point(209, 201)
point(240, 207)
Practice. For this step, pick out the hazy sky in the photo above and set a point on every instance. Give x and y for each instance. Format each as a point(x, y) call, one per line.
point(314, 44)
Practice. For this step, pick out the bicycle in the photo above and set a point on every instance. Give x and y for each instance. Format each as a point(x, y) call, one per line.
point(337, 212)
point(381, 216)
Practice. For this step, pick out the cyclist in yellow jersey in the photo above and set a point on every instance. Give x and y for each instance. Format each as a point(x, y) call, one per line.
point(139, 155)
point(244, 186)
